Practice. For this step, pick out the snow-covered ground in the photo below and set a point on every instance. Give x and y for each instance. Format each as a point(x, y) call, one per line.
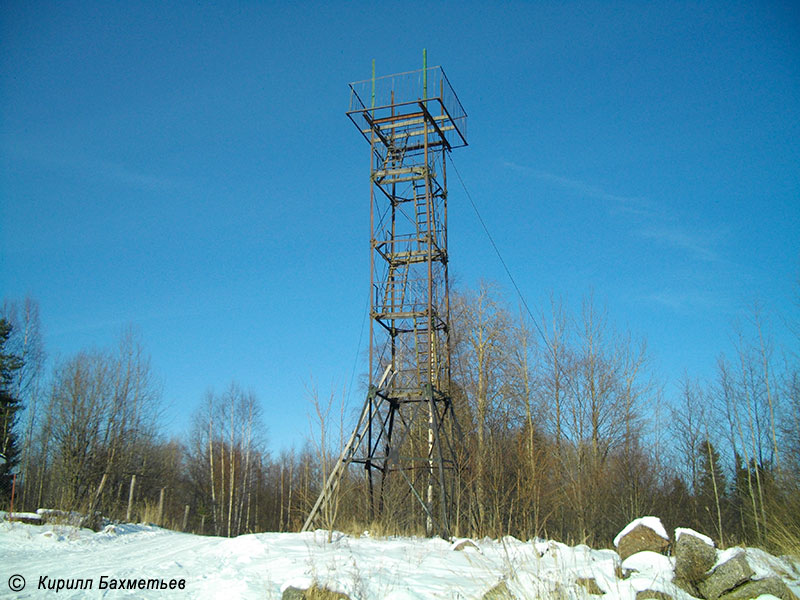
point(262, 565)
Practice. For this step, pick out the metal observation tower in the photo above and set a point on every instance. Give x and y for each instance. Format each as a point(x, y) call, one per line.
point(404, 432)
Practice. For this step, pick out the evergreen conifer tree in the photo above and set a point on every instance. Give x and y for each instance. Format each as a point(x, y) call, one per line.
point(9, 406)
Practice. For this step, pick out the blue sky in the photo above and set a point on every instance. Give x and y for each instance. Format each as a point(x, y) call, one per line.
point(188, 168)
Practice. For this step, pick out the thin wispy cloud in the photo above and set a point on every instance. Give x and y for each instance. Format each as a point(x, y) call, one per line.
point(685, 301)
point(632, 204)
point(649, 221)
point(700, 246)
point(86, 166)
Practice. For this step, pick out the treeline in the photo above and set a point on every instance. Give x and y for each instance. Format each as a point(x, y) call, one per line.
point(567, 434)
point(87, 436)
point(573, 435)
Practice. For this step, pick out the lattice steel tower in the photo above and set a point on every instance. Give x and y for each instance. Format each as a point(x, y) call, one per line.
point(411, 121)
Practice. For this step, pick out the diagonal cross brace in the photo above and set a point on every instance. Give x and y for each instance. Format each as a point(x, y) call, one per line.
point(349, 451)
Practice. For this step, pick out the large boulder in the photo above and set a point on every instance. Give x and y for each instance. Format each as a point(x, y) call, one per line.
point(646, 533)
point(312, 593)
point(773, 586)
point(24, 517)
point(652, 595)
point(731, 572)
point(462, 545)
point(94, 521)
point(695, 555)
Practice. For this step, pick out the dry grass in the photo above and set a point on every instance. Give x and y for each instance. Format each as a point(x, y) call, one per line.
point(783, 535)
point(379, 529)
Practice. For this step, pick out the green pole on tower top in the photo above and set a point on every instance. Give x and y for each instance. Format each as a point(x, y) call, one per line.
point(424, 73)
point(373, 83)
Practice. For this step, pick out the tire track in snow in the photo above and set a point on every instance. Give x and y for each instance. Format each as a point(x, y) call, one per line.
point(141, 554)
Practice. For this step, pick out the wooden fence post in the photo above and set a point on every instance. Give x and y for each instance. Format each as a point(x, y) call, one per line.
point(130, 498)
point(161, 507)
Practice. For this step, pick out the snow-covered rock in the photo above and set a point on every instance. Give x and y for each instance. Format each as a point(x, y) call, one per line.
point(695, 555)
point(730, 571)
point(463, 544)
point(645, 533)
point(770, 586)
point(653, 523)
point(679, 531)
point(22, 517)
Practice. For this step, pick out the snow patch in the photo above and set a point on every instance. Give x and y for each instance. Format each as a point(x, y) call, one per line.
point(263, 565)
point(648, 562)
point(541, 547)
point(764, 564)
point(300, 582)
point(724, 556)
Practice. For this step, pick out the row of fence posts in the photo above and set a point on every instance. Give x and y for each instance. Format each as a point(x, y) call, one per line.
point(129, 512)
point(160, 520)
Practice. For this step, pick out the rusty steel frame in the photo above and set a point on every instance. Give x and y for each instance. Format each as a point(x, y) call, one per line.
point(410, 133)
